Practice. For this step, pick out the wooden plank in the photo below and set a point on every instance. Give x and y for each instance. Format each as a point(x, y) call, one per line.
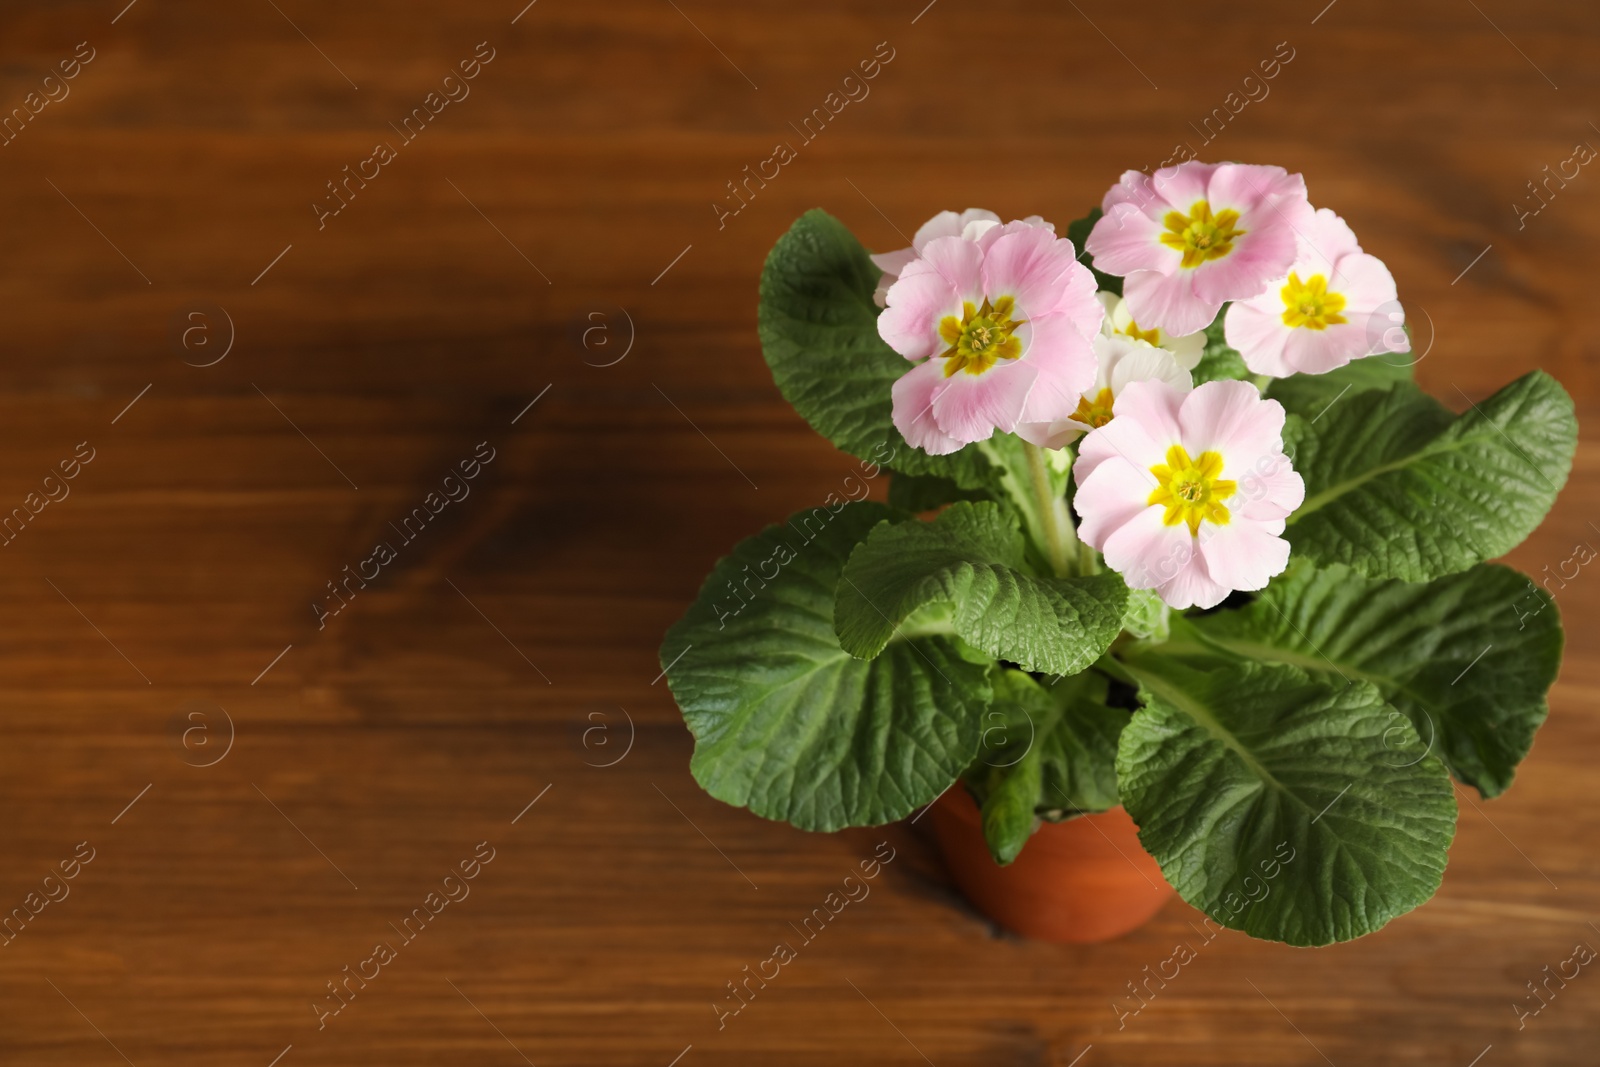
point(373, 354)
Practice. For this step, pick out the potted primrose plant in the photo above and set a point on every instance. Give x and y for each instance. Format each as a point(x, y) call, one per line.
point(1180, 576)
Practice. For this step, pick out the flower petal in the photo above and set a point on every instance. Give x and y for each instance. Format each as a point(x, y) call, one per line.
point(910, 324)
point(1181, 185)
point(1255, 328)
point(913, 394)
point(1192, 586)
point(1325, 241)
point(1133, 187)
point(1117, 315)
point(1109, 498)
point(1056, 434)
point(1142, 438)
point(971, 407)
point(1169, 303)
point(1275, 217)
point(1149, 554)
point(1127, 239)
point(959, 262)
point(1066, 365)
point(950, 224)
point(1187, 350)
point(1249, 188)
point(1268, 491)
point(1320, 351)
point(1233, 419)
point(1363, 281)
point(1242, 555)
point(891, 263)
point(1041, 271)
point(1128, 361)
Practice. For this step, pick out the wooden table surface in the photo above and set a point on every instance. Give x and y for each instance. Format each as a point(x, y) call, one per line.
point(162, 206)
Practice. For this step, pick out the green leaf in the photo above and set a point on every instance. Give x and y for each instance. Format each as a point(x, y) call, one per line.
point(924, 492)
point(1078, 234)
point(1468, 657)
point(1280, 805)
point(789, 725)
point(1312, 394)
point(1396, 488)
point(1219, 362)
point(1048, 753)
point(1010, 482)
point(966, 569)
point(1147, 615)
point(819, 334)
point(1079, 757)
point(1007, 810)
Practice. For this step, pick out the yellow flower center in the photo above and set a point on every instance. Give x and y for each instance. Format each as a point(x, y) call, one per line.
point(1309, 304)
point(981, 338)
point(1190, 490)
point(1096, 412)
point(1149, 337)
point(1199, 235)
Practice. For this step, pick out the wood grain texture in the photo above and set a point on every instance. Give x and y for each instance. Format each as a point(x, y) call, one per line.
point(449, 293)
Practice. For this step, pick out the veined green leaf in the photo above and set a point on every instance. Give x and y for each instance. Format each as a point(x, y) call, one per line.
point(1468, 657)
point(1011, 485)
point(1147, 615)
point(788, 724)
point(1219, 362)
point(1281, 805)
point(917, 493)
point(819, 334)
point(1049, 752)
point(1312, 394)
point(1397, 488)
point(967, 568)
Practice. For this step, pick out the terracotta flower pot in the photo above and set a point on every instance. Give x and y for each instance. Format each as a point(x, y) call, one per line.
point(1086, 879)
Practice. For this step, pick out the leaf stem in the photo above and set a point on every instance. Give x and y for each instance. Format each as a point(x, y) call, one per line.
point(1060, 537)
